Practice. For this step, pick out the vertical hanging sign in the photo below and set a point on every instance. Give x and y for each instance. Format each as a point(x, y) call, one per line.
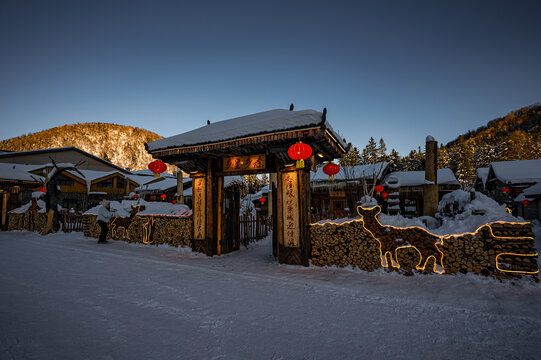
point(199, 208)
point(290, 191)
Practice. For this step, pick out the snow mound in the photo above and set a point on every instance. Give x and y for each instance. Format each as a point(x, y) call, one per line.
point(123, 208)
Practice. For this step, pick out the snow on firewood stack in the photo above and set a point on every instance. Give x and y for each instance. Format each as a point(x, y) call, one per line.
point(393, 184)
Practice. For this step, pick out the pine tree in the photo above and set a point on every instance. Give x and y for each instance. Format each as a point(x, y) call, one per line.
point(381, 151)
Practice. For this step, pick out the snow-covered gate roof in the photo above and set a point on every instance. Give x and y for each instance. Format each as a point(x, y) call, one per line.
point(269, 132)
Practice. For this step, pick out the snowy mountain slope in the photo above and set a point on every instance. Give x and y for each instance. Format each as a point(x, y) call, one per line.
point(119, 144)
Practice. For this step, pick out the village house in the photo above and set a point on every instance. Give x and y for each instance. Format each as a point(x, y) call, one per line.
point(411, 185)
point(16, 187)
point(505, 181)
point(337, 198)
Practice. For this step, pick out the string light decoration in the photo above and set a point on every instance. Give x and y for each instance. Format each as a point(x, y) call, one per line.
point(157, 167)
point(331, 169)
point(299, 152)
point(440, 242)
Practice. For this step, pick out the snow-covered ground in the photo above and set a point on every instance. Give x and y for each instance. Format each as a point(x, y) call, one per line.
point(62, 296)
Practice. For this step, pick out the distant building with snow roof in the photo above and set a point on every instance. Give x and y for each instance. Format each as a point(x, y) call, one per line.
point(411, 188)
point(506, 180)
point(337, 198)
point(16, 188)
point(528, 203)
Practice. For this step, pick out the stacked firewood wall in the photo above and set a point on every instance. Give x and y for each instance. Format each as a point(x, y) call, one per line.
point(501, 250)
point(27, 221)
point(155, 230)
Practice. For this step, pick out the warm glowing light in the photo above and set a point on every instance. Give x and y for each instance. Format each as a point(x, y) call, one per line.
point(262, 200)
point(331, 169)
point(384, 262)
point(378, 189)
point(157, 167)
point(299, 152)
point(515, 271)
point(174, 201)
point(163, 196)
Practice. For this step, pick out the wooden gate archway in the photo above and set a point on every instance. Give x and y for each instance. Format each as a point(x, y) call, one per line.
point(252, 144)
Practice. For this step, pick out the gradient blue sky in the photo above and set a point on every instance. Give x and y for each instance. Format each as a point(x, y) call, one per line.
point(400, 70)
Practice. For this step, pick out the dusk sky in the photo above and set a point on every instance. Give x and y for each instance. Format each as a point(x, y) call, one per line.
point(400, 70)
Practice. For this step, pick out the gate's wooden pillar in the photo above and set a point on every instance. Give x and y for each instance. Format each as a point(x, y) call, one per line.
point(199, 217)
point(213, 206)
point(293, 216)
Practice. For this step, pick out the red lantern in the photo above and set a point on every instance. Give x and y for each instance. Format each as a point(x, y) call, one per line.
point(385, 196)
point(505, 190)
point(135, 196)
point(262, 200)
point(163, 196)
point(525, 202)
point(174, 201)
point(299, 152)
point(157, 167)
point(378, 189)
point(331, 169)
point(42, 189)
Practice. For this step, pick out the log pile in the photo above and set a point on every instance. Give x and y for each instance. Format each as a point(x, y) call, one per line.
point(501, 250)
point(344, 245)
point(27, 222)
point(155, 230)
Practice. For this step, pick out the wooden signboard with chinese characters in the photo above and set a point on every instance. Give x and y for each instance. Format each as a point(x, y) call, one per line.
point(245, 163)
point(290, 210)
point(199, 208)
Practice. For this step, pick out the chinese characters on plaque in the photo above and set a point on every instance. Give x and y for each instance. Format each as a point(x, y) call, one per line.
point(199, 208)
point(290, 193)
point(243, 163)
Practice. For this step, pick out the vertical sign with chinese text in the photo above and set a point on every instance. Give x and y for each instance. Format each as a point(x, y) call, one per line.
point(290, 211)
point(245, 163)
point(199, 208)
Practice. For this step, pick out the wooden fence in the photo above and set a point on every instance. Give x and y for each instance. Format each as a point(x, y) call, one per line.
point(72, 222)
point(254, 228)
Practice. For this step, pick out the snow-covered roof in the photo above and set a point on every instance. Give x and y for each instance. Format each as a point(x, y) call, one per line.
point(482, 175)
point(18, 172)
point(264, 191)
point(245, 126)
point(517, 171)
point(352, 172)
point(417, 178)
point(166, 183)
point(146, 172)
point(229, 180)
point(529, 193)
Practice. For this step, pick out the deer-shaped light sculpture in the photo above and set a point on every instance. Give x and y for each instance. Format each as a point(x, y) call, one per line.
point(124, 222)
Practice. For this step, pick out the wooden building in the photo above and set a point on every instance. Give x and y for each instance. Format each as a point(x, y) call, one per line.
point(338, 198)
point(16, 188)
point(411, 185)
point(252, 144)
point(506, 180)
point(69, 154)
point(83, 192)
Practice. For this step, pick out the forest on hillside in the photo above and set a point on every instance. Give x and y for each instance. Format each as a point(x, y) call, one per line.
point(119, 144)
point(516, 136)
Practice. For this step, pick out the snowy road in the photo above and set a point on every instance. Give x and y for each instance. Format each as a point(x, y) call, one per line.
point(63, 296)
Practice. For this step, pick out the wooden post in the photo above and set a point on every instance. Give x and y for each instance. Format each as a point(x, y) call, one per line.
point(4, 209)
point(219, 212)
point(293, 216)
point(180, 187)
point(212, 208)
